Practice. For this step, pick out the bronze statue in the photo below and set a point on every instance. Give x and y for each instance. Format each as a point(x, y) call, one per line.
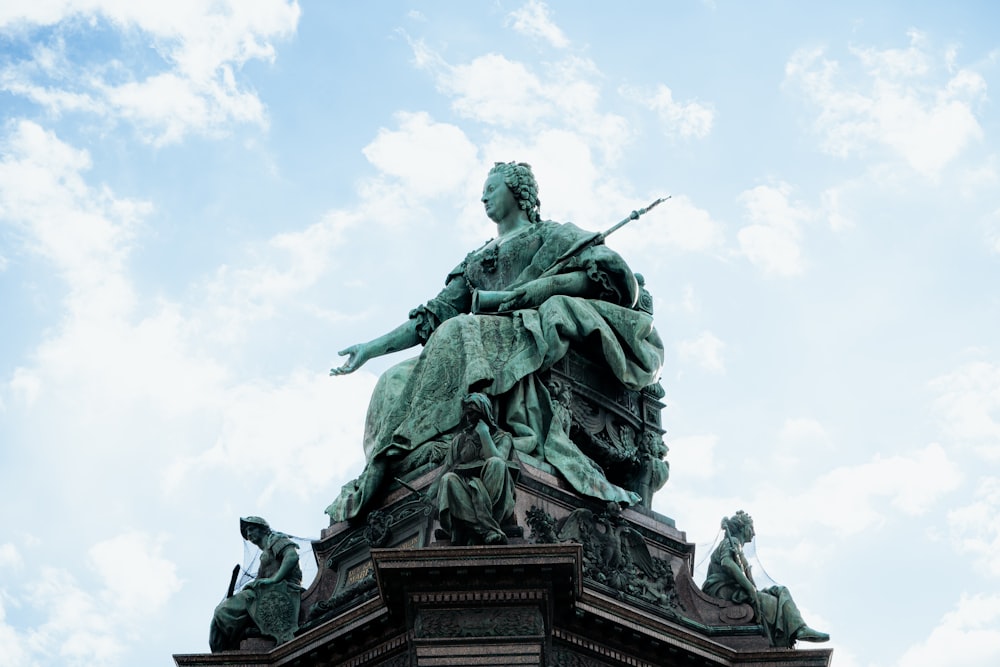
point(729, 578)
point(475, 494)
point(267, 606)
point(510, 310)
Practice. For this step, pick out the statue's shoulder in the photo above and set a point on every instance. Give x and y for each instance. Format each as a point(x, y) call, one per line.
point(553, 227)
point(560, 233)
point(278, 542)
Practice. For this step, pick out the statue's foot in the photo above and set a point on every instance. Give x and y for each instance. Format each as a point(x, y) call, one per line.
point(494, 537)
point(807, 634)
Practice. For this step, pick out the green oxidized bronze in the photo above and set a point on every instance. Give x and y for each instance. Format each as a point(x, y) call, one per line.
point(508, 312)
point(267, 606)
point(729, 578)
point(475, 493)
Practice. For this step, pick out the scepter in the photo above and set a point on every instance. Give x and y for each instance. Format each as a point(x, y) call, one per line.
point(598, 238)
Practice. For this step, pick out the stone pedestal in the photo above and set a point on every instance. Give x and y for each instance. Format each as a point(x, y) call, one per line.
point(389, 594)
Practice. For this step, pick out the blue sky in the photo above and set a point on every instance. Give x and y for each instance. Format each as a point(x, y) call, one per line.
point(200, 203)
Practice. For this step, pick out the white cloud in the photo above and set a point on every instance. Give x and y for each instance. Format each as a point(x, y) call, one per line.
point(494, 90)
point(920, 109)
point(84, 232)
point(677, 225)
point(682, 120)
point(86, 235)
point(200, 45)
point(274, 274)
point(76, 627)
point(969, 404)
point(967, 636)
point(137, 579)
point(975, 528)
point(772, 242)
point(507, 94)
point(429, 158)
point(911, 484)
point(293, 427)
point(706, 350)
point(534, 20)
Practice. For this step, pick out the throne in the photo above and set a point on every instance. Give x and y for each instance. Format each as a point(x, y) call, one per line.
point(619, 428)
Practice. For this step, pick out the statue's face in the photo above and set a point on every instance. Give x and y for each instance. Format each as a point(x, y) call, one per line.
point(255, 534)
point(498, 200)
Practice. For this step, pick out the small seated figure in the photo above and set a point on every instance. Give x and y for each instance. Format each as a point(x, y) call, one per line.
point(268, 605)
point(475, 495)
point(729, 578)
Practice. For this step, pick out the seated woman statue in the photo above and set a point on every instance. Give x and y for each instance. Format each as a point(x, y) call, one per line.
point(509, 310)
point(729, 578)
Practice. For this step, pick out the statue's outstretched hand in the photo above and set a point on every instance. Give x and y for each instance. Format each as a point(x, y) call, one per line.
point(356, 355)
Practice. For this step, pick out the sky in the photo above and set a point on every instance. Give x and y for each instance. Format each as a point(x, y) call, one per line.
point(201, 203)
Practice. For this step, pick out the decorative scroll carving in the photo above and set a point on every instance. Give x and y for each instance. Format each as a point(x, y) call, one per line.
point(377, 531)
point(614, 554)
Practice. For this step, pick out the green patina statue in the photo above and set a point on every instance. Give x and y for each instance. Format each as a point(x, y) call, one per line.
point(729, 578)
point(475, 494)
point(510, 310)
point(267, 606)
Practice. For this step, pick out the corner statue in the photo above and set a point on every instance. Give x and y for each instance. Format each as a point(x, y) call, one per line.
point(268, 605)
point(509, 310)
point(729, 578)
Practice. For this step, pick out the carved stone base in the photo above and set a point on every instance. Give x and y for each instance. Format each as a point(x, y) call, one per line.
point(586, 586)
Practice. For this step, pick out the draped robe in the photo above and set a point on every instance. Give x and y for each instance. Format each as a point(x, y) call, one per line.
point(420, 400)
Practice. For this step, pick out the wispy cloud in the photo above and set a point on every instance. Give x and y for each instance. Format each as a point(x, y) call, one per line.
point(921, 106)
point(973, 625)
point(975, 527)
point(773, 241)
point(534, 20)
point(680, 120)
point(191, 84)
point(706, 351)
point(968, 403)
